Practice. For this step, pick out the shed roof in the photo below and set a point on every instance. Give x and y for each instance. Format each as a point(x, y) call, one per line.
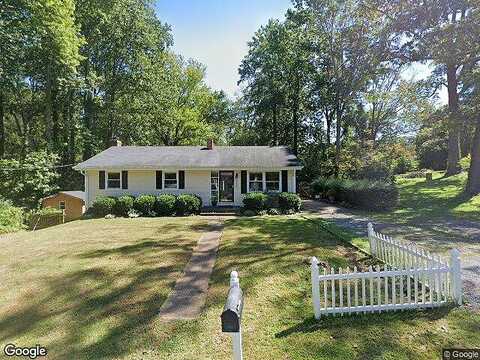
point(185, 157)
point(76, 194)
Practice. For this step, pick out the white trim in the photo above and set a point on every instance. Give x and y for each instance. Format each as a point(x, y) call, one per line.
point(106, 180)
point(196, 168)
point(233, 187)
point(279, 181)
point(64, 205)
point(264, 180)
point(163, 180)
point(248, 180)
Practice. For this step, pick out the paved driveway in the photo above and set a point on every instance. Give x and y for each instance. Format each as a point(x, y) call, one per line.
point(433, 236)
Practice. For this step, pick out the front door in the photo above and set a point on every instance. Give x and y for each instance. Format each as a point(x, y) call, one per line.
point(225, 180)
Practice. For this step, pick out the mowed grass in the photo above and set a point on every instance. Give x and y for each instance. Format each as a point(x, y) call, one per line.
point(272, 256)
point(89, 289)
point(93, 293)
point(443, 197)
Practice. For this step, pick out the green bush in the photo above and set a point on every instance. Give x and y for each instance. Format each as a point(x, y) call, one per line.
point(255, 201)
point(187, 204)
point(145, 205)
point(165, 205)
point(321, 185)
point(367, 194)
point(11, 217)
point(103, 205)
point(123, 205)
point(288, 202)
point(465, 163)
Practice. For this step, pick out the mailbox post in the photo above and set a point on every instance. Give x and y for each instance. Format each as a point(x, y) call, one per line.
point(232, 315)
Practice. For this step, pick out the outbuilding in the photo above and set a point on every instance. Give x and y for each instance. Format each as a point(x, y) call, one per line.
point(72, 202)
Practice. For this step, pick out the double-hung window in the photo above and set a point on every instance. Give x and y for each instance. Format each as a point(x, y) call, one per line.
point(255, 181)
point(272, 181)
point(113, 180)
point(170, 180)
point(61, 205)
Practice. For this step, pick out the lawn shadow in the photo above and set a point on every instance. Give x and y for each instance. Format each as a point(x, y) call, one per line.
point(100, 312)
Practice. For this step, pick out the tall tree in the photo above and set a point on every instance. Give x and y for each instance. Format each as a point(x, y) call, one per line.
point(435, 31)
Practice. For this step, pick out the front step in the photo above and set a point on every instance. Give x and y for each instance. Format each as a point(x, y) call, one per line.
point(220, 210)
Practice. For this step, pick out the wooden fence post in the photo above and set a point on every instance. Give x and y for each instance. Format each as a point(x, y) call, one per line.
point(371, 239)
point(456, 274)
point(315, 287)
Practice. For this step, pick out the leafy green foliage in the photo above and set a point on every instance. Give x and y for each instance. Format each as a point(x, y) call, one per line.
point(188, 204)
point(123, 205)
point(366, 194)
point(26, 182)
point(255, 201)
point(165, 205)
point(103, 205)
point(289, 202)
point(465, 162)
point(11, 217)
point(145, 205)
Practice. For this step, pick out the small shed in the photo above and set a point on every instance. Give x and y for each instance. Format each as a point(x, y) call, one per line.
point(72, 202)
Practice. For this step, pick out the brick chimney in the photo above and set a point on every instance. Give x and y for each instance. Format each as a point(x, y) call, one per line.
point(210, 144)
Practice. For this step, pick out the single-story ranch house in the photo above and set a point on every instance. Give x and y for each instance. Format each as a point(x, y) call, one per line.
point(224, 173)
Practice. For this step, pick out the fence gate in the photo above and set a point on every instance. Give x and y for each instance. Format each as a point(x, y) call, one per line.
point(411, 278)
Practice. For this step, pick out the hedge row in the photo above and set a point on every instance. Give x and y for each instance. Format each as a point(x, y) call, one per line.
point(259, 201)
point(147, 205)
point(11, 217)
point(367, 194)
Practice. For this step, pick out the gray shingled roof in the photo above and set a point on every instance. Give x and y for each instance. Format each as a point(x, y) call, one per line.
point(185, 157)
point(76, 194)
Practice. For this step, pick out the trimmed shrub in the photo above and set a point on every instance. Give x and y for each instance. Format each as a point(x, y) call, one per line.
point(11, 217)
point(123, 205)
point(199, 207)
point(289, 202)
point(255, 201)
point(187, 204)
point(145, 204)
point(367, 194)
point(165, 205)
point(103, 205)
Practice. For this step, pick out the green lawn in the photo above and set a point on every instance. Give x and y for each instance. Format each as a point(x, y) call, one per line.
point(422, 201)
point(91, 290)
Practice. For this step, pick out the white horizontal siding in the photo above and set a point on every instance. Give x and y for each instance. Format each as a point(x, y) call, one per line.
point(144, 181)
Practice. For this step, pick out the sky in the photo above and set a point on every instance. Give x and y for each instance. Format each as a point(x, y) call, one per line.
point(216, 33)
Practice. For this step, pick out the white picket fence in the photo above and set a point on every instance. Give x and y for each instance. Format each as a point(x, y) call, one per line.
point(411, 278)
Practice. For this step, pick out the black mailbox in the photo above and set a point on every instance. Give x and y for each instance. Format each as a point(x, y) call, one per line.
point(232, 311)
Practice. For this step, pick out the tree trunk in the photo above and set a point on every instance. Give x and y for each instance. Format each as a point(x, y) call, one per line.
point(338, 137)
point(2, 127)
point(275, 126)
point(71, 128)
point(453, 161)
point(328, 118)
point(55, 120)
point(473, 183)
point(295, 114)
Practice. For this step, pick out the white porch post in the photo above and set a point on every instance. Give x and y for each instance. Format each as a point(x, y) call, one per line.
point(294, 181)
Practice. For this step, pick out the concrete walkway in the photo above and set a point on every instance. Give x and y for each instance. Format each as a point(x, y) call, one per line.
point(188, 297)
point(435, 237)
